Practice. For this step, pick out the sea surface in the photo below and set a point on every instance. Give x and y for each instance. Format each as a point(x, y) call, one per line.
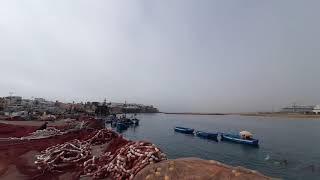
point(296, 141)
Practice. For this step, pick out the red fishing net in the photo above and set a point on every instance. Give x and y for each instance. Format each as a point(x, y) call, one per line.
point(84, 153)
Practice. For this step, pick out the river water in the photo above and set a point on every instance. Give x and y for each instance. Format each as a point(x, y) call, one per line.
point(296, 141)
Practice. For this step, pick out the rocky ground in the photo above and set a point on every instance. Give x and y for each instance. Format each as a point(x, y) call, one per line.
point(194, 168)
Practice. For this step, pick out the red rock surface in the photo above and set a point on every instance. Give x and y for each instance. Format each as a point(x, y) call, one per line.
point(194, 169)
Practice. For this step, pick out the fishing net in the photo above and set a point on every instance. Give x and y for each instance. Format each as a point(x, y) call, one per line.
point(121, 159)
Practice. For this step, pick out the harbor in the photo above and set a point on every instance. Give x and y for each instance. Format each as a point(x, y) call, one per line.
point(41, 139)
point(85, 149)
point(98, 140)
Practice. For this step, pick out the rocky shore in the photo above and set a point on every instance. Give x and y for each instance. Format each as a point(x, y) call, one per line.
point(194, 168)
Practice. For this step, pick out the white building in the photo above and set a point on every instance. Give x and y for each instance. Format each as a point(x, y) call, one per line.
point(26, 102)
point(40, 100)
point(298, 109)
point(14, 100)
point(316, 109)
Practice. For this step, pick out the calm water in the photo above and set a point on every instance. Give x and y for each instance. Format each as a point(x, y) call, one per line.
point(294, 140)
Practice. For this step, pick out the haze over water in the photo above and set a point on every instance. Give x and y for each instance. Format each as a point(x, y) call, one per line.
point(181, 56)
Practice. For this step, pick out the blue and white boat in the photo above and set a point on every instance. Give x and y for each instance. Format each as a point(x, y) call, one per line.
point(244, 137)
point(207, 135)
point(184, 130)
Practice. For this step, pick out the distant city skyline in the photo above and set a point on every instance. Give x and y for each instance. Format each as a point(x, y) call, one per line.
point(180, 56)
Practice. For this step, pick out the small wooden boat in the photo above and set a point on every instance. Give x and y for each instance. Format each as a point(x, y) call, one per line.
point(207, 135)
point(244, 137)
point(184, 130)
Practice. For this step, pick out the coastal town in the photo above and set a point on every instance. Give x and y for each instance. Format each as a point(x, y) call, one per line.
point(16, 107)
point(75, 141)
point(62, 138)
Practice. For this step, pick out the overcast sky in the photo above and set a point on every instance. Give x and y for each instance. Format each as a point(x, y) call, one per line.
point(200, 56)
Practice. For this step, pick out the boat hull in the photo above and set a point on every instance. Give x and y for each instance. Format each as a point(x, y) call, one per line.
point(232, 138)
point(184, 130)
point(205, 135)
point(121, 126)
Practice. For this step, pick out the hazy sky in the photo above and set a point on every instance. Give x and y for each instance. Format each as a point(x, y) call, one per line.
point(204, 56)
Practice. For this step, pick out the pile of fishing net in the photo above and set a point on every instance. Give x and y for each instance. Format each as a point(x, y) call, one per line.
point(124, 162)
point(40, 134)
point(43, 133)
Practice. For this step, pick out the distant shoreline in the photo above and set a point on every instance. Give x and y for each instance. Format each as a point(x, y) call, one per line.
point(189, 113)
point(266, 114)
point(281, 115)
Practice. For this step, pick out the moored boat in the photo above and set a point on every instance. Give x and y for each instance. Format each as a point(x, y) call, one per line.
point(110, 119)
point(184, 130)
point(244, 137)
point(135, 121)
point(121, 126)
point(207, 135)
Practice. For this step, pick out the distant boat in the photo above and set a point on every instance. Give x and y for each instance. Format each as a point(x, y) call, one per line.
point(135, 121)
point(244, 137)
point(207, 135)
point(121, 126)
point(184, 130)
